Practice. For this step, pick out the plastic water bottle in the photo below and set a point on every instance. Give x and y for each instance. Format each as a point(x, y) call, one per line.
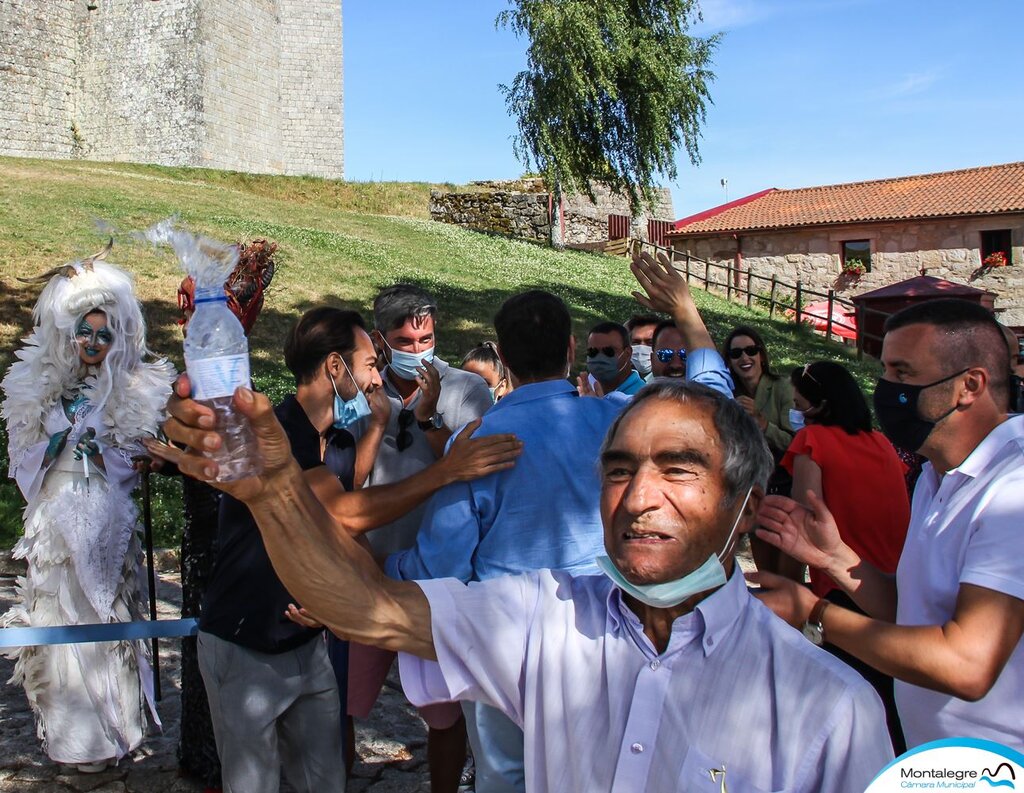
point(217, 360)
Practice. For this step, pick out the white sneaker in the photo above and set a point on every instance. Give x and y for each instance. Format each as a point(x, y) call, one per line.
point(93, 768)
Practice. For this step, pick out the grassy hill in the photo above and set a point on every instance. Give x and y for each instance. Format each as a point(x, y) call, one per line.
point(339, 243)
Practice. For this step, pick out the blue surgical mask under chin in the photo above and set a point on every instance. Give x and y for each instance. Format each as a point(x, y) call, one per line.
point(348, 412)
point(667, 594)
point(796, 419)
point(406, 364)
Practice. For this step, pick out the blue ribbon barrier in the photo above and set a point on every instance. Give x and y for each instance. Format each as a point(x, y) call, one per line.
point(104, 632)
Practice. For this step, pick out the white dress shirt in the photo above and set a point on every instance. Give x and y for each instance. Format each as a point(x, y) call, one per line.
point(966, 528)
point(736, 688)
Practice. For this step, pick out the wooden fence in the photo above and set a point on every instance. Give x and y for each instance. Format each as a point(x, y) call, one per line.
point(777, 296)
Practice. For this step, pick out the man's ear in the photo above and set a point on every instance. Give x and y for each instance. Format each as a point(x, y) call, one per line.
point(572, 349)
point(748, 520)
point(976, 383)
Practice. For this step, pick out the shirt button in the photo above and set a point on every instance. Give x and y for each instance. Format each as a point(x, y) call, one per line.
point(655, 664)
point(711, 641)
point(636, 748)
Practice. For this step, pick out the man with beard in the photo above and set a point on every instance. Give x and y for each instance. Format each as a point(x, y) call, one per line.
point(948, 626)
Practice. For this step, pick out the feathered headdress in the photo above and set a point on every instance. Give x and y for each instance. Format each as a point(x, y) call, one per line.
point(130, 392)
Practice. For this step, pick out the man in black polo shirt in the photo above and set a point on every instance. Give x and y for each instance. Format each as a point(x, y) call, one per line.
point(274, 699)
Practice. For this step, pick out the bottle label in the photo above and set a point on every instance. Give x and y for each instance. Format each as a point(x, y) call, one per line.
point(212, 378)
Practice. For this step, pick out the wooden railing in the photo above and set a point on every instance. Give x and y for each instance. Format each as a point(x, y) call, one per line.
point(777, 296)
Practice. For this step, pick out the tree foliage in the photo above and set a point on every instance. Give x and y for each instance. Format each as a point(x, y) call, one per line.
point(612, 90)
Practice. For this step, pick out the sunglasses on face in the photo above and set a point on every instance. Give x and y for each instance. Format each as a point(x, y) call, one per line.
point(666, 355)
point(594, 351)
point(404, 439)
point(737, 352)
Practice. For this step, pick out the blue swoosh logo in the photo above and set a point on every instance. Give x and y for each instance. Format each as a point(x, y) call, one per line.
point(1000, 783)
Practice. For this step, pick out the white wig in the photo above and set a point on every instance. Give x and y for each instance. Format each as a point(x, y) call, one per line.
point(129, 392)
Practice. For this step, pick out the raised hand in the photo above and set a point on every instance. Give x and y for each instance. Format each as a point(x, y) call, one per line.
point(666, 290)
point(470, 458)
point(87, 446)
point(809, 535)
point(380, 407)
point(429, 381)
point(192, 426)
point(586, 388)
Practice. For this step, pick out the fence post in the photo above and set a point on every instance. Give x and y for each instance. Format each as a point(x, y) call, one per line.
point(799, 297)
point(828, 320)
point(728, 282)
point(771, 300)
point(749, 290)
point(707, 272)
point(687, 268)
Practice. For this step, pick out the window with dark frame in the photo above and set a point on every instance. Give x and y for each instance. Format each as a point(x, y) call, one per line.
point(857, 250)
point(997, 240)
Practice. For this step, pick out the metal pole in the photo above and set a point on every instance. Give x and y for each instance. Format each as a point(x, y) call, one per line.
point(147, 522)
point(771, 300)
point(799, 294)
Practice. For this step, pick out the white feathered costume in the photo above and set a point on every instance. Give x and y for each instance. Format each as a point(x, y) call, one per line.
point(81, 538)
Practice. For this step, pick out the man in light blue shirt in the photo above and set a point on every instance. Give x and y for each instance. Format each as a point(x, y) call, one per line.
point(543, 513)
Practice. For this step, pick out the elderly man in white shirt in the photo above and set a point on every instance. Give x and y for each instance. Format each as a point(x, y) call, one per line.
point(664, 674)
point(948, 627)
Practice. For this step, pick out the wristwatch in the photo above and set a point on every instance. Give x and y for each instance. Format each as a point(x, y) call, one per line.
point(435, 422)
point(813, 629)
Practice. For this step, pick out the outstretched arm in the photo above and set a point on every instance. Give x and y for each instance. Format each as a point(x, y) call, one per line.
point(336, 581)
point(962, 657)
point(468, 458)
point(667, 291)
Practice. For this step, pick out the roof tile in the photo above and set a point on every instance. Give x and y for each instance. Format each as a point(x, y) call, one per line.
point(972, 191)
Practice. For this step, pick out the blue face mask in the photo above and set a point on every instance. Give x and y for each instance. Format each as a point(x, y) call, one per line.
point(348, 412)
point(709, 575)
point(605, 368)
point(796, 419)
point(405, 364)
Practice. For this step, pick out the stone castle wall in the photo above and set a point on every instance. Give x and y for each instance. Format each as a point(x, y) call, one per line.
point(947, 249)
point(519, 208)
point(250, 85)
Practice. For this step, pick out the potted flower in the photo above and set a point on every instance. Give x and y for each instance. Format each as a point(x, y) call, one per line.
point(995, 259)
point(854, 268)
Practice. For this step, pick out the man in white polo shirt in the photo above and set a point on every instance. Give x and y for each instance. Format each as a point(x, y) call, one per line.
point(948, 627)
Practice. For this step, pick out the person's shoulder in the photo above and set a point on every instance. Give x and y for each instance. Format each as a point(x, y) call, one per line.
point(803, 664)
point(460, 378)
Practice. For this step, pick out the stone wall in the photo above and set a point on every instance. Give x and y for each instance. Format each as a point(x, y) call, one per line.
point(38, 51)
point(312, 121)
point(520, 215)
point(250, 85)
point(138, 86)
point(519, 208)
point(947, 249)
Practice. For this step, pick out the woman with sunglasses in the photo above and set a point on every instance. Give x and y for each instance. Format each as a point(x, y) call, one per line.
point(855, 470)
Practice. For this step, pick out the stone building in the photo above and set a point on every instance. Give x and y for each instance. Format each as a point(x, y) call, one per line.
point(248, 85)
point(942, 224)
point(522, 208)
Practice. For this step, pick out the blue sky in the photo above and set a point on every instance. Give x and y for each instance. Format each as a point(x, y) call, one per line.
point(807, 92)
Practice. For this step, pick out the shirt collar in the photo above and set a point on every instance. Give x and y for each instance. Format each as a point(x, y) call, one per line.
point(633, 381)
point(710, 621)
point(532, 391)
point(978, 460)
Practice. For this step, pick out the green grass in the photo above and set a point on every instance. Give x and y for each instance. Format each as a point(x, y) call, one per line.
point(339, 243)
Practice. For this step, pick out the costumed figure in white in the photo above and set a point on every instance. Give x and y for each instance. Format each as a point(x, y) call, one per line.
point(76, 402)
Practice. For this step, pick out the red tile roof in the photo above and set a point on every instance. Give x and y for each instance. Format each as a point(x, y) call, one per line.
point(990, 190)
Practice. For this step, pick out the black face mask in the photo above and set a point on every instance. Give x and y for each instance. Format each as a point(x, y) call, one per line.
point(896, 408)
point(1016, 394)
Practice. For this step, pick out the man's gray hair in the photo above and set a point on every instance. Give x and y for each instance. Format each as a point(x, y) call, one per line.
point(396, 304)
point(746, 461)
